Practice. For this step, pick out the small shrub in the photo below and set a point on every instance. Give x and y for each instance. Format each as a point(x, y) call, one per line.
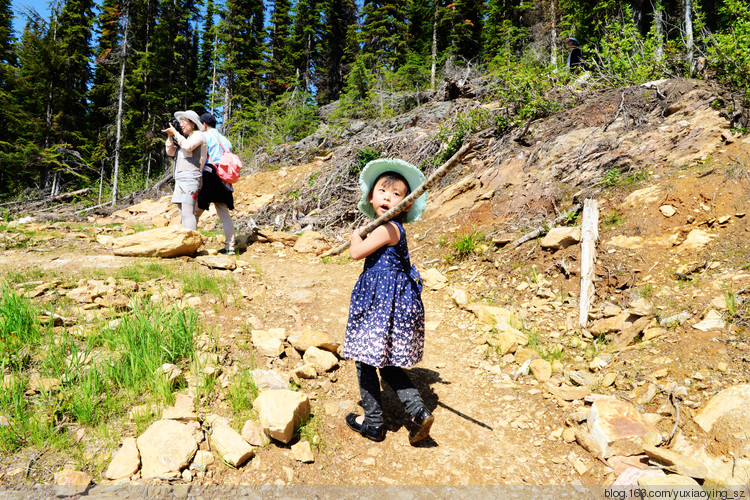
point(613, 219)
point(646, 291)
point(364, 156)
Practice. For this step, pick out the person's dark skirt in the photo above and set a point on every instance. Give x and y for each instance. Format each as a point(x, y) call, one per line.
point(214, 191)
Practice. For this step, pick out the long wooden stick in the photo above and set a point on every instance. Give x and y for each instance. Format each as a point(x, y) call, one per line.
point(401, 207)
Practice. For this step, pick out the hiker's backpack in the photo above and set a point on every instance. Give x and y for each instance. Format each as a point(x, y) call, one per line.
point(229, 165)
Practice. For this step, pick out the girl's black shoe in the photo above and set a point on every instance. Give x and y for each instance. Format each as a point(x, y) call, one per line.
point(369, 431)
point(421, 424)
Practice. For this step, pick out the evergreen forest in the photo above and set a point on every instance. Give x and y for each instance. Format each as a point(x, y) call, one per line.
point(85, 93)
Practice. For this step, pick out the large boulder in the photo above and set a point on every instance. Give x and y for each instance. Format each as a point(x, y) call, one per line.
point(170, 241)
point(722, 404)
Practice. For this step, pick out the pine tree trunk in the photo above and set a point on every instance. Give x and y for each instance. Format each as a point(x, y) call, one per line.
point(659, 28)
point(689, 34)
point(116, 170)
point(434, 47)
point(227, 99)
point(553, 43)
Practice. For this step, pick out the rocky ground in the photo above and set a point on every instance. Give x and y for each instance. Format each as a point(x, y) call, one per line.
point(654, 385)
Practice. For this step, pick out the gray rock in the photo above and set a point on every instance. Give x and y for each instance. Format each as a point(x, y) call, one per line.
point(269, 379)
point(583, 378)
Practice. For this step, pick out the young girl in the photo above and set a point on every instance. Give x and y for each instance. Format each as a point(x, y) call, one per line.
point(386, 317)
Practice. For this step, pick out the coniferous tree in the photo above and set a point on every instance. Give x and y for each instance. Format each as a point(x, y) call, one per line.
point(337, 49)
point(305, 41)
point(281, 72)
point(40, 71)
point(75, 27)
point(241, 33)
point(462, 21)
point(207, 66)
point(419, 21)
point(7, 50)
point(102, 89)
point(383, 34)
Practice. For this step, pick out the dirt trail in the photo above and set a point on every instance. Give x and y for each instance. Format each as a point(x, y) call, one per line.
point(487, 430)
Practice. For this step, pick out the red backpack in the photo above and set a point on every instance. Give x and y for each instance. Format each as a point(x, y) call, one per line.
point(229, 165)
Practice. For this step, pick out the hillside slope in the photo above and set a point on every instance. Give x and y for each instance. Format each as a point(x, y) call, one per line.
point(508, 370)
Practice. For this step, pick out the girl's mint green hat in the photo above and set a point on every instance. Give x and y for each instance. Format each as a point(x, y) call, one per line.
point(372, 171)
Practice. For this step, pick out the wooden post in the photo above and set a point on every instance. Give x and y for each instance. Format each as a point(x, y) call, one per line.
point(589, 237)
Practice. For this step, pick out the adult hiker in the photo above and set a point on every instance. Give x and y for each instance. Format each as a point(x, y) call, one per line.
point(214, 189)
point(189, 150)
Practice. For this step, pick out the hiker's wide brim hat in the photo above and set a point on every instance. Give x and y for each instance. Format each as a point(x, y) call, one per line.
point(192, 116)
point(372, 171)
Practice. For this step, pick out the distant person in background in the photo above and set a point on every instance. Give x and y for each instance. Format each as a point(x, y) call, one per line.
point(189, 150)
point(215, 190)
point(575, 55)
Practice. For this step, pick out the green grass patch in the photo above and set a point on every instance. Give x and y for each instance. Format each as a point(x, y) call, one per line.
point(140, 272)
point(100, 376)
point(200, 282)
point(615, 178)
point(241, 393)
point(612, 219)
point(310, 430)
point(20, 331)
point(16, 277)
point(466, 244)
point(646, 291)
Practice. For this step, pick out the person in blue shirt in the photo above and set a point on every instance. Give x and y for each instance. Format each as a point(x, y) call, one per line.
point(214, 190)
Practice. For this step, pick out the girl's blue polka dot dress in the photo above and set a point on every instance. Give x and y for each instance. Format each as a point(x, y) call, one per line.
point(386, 316)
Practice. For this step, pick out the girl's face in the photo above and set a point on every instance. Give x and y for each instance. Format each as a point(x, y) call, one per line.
point(387, 194)
point(186, 125)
